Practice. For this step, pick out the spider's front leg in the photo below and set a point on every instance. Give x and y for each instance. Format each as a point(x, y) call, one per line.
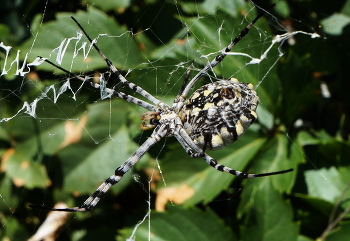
point(159, 132)
point(219, 58)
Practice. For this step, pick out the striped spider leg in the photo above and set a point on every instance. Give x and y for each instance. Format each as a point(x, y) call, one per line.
point(214, 116)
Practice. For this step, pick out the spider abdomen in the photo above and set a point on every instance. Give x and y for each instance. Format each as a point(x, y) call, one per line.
point(219, 113)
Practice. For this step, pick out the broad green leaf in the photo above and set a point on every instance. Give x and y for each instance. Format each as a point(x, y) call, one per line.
point(305, 138)
point(282, 8)
point(335, 23)
point(13, 230)
point(346, 7)
point(181, 224)
point(23, 171)
point(118, 43)
point(280, 153)
point(265, 118)
point(342, 232)
point(107, 5)
point(303, 238)
point(5, 34)
point(8, 196)
point(270, 217)
point(322, 206)
point(209, 6)
point(82, 170)
point(86, 164)
point(326, 184)
point(277, 155)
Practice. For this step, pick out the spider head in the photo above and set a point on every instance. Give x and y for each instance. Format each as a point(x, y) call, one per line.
point(149, 120)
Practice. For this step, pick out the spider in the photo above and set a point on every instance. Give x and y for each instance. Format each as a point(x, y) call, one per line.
point(216, 115)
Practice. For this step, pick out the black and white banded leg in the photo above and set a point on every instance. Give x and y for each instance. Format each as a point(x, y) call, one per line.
point(91, 202)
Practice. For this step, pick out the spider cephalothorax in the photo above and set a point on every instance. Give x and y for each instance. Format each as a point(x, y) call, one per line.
point(216, 115)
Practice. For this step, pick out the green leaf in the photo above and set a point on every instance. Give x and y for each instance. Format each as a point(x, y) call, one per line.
point(181, 224)
point(282, 8)
point(335, 23)
point(305, 138)
point(265, 118)
point(117, 42)
point(322, 206)
point(278, 154)
point(326, 184)
point(84, 169)
point(25, 172)
point(209, 6)
point(13, 230)
point(107, 5)
point(342, 232)
point(270, 217)
point(303, 238)
point(86, 164)
point(9, 198)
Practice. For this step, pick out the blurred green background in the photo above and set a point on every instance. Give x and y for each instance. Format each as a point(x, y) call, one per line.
point(58, 144)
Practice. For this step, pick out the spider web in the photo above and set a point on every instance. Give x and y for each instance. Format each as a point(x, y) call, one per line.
point(63, 137)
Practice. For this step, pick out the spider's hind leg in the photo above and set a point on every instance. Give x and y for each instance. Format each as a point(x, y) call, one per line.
point(212, 162)
point(195, 152)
